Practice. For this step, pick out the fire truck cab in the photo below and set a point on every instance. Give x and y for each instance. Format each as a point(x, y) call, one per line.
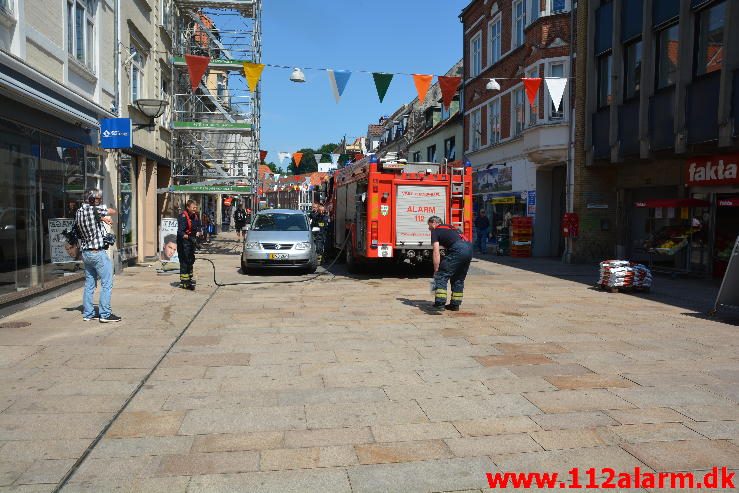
point(380, 209)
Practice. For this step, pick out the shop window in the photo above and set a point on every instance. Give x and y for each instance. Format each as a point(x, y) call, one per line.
point(710, 39)
point(519, 22)
point(127, 201)
point(450, 149)
point(667, 56)
point(494, 37)
point(494, 113)
point(476, 55)
point(519, 110)
point(632, 69)
point(557, 70)
point(605, 92)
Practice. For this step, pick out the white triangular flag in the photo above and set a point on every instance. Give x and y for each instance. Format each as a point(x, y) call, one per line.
point(283, 156)
point(335, 159)
point(318, 157)
point(556, 87)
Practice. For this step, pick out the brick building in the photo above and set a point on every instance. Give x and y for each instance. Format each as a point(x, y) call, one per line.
point(658, 96)
point(519, 152)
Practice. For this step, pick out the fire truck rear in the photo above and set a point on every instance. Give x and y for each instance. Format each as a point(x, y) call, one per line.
point(379, 209)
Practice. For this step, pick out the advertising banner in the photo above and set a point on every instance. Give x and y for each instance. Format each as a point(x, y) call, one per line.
point(495, 179)
point(168, 241)
point(60, 249)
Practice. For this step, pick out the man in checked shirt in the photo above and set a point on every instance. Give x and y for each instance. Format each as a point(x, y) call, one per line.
point(89, 221)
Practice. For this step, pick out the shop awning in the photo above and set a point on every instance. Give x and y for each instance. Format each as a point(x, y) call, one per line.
point(730, 202)
point(654, 203)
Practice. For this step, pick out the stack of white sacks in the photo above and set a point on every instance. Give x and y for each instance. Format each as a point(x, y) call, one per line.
point(624, 274)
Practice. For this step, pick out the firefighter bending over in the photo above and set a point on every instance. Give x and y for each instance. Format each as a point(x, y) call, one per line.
point(454, 266)
point(188, 230)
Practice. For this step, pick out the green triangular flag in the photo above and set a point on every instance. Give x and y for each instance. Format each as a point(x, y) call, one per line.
point(382, 82)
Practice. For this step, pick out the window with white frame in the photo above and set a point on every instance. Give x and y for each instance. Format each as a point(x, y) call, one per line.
point(557, 70)
point(81, 31)
point(164, 96)
point(519, 110)
point(168, 15)
point(417, 157)
point(558, 6)
point(494, 114)
point(494, 37)
point(476, 55)
point(138, 66)
point(534, 10)
point(475, 129)
point(534, 108)
point(519, 22)
point(450, 150)
point(431, 154)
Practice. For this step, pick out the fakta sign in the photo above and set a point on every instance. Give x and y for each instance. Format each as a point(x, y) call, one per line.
point(714, 170)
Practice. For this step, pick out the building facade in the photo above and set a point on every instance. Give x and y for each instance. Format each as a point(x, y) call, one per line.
point(57, 80)
point(519, 151)
point(657, 181)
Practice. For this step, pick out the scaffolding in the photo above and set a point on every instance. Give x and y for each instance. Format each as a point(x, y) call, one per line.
point(216, 128)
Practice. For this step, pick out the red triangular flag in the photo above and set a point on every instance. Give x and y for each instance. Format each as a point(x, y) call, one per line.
point(449, 87)
point(297, 156)
point(262, 156)
point(196, 67)
point(532, 88)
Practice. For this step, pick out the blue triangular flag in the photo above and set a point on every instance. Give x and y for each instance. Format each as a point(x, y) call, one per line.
point(339, 79)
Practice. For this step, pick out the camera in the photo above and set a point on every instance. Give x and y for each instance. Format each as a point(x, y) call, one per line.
point(109, 240)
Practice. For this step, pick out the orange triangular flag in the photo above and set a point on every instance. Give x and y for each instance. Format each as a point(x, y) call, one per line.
point(449, 86)
point(297, 156)
point(532, 88)
point(423, 82)
point(196, 67)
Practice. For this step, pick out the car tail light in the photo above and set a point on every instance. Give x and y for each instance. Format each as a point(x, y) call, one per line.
point(374, 233)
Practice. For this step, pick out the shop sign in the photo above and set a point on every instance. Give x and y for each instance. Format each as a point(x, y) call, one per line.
point(714, 170)
point(531, 211)
point(210, 189)
point(511, 199)
point(116, 133)
point(732, 202)
point(496, 179)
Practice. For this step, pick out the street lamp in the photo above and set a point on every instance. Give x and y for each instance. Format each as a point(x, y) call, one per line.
point(152, 109)
point(297, 76)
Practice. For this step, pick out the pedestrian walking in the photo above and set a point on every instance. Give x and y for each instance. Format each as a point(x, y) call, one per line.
point(188, 231)
point(240, 220)
point(453, 267)
point(94, 240)
point(319, 219)
point(482, 226)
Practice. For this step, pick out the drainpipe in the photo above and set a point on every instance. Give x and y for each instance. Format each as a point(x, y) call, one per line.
point(570, 176)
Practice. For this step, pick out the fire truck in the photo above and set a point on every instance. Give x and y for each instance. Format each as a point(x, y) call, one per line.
point(379, 209)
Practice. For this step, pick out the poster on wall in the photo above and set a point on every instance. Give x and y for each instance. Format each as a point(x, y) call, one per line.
point(495, 179)
point(60, 249)
point(168, 241)
point(531, 203)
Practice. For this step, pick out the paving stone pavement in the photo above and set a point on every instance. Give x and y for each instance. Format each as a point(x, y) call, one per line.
point(348, 385)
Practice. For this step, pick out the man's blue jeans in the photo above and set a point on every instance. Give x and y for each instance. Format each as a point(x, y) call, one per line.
point(97, 266)
point(482, 239)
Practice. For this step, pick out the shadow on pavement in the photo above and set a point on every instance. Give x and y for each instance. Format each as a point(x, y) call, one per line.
point(423, 305)
point(694, 294)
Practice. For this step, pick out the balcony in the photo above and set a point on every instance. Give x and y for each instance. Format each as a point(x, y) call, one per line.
point(546, 144)
point(601, 131)
point(628, 127)
point(662, 120)
point(702, 111)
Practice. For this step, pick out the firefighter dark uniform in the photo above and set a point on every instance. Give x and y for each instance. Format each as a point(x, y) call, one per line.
point(453, 267)
point(320, 221)
point(187, 224)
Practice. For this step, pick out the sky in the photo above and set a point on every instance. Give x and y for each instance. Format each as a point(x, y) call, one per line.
point(409, 36)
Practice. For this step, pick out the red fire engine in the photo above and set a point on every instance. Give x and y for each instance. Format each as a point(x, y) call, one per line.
point(383, 207)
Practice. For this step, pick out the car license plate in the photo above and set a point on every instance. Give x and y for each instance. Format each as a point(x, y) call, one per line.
point(278, 256)
point(385, 251)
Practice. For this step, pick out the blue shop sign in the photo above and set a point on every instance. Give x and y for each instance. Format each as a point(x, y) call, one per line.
point(116, 133)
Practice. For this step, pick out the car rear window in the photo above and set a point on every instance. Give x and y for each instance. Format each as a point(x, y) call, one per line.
point(280, 222)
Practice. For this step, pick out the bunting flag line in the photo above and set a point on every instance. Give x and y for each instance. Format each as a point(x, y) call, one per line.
point(338, 80)
point(253, 72)
point(556, 87)
point(297, 157)
point(335, 159)
point(449, 87)
point(382, 83)
point(262, 156)
point(196, 68)
point(423, 83)
point(532, 86)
